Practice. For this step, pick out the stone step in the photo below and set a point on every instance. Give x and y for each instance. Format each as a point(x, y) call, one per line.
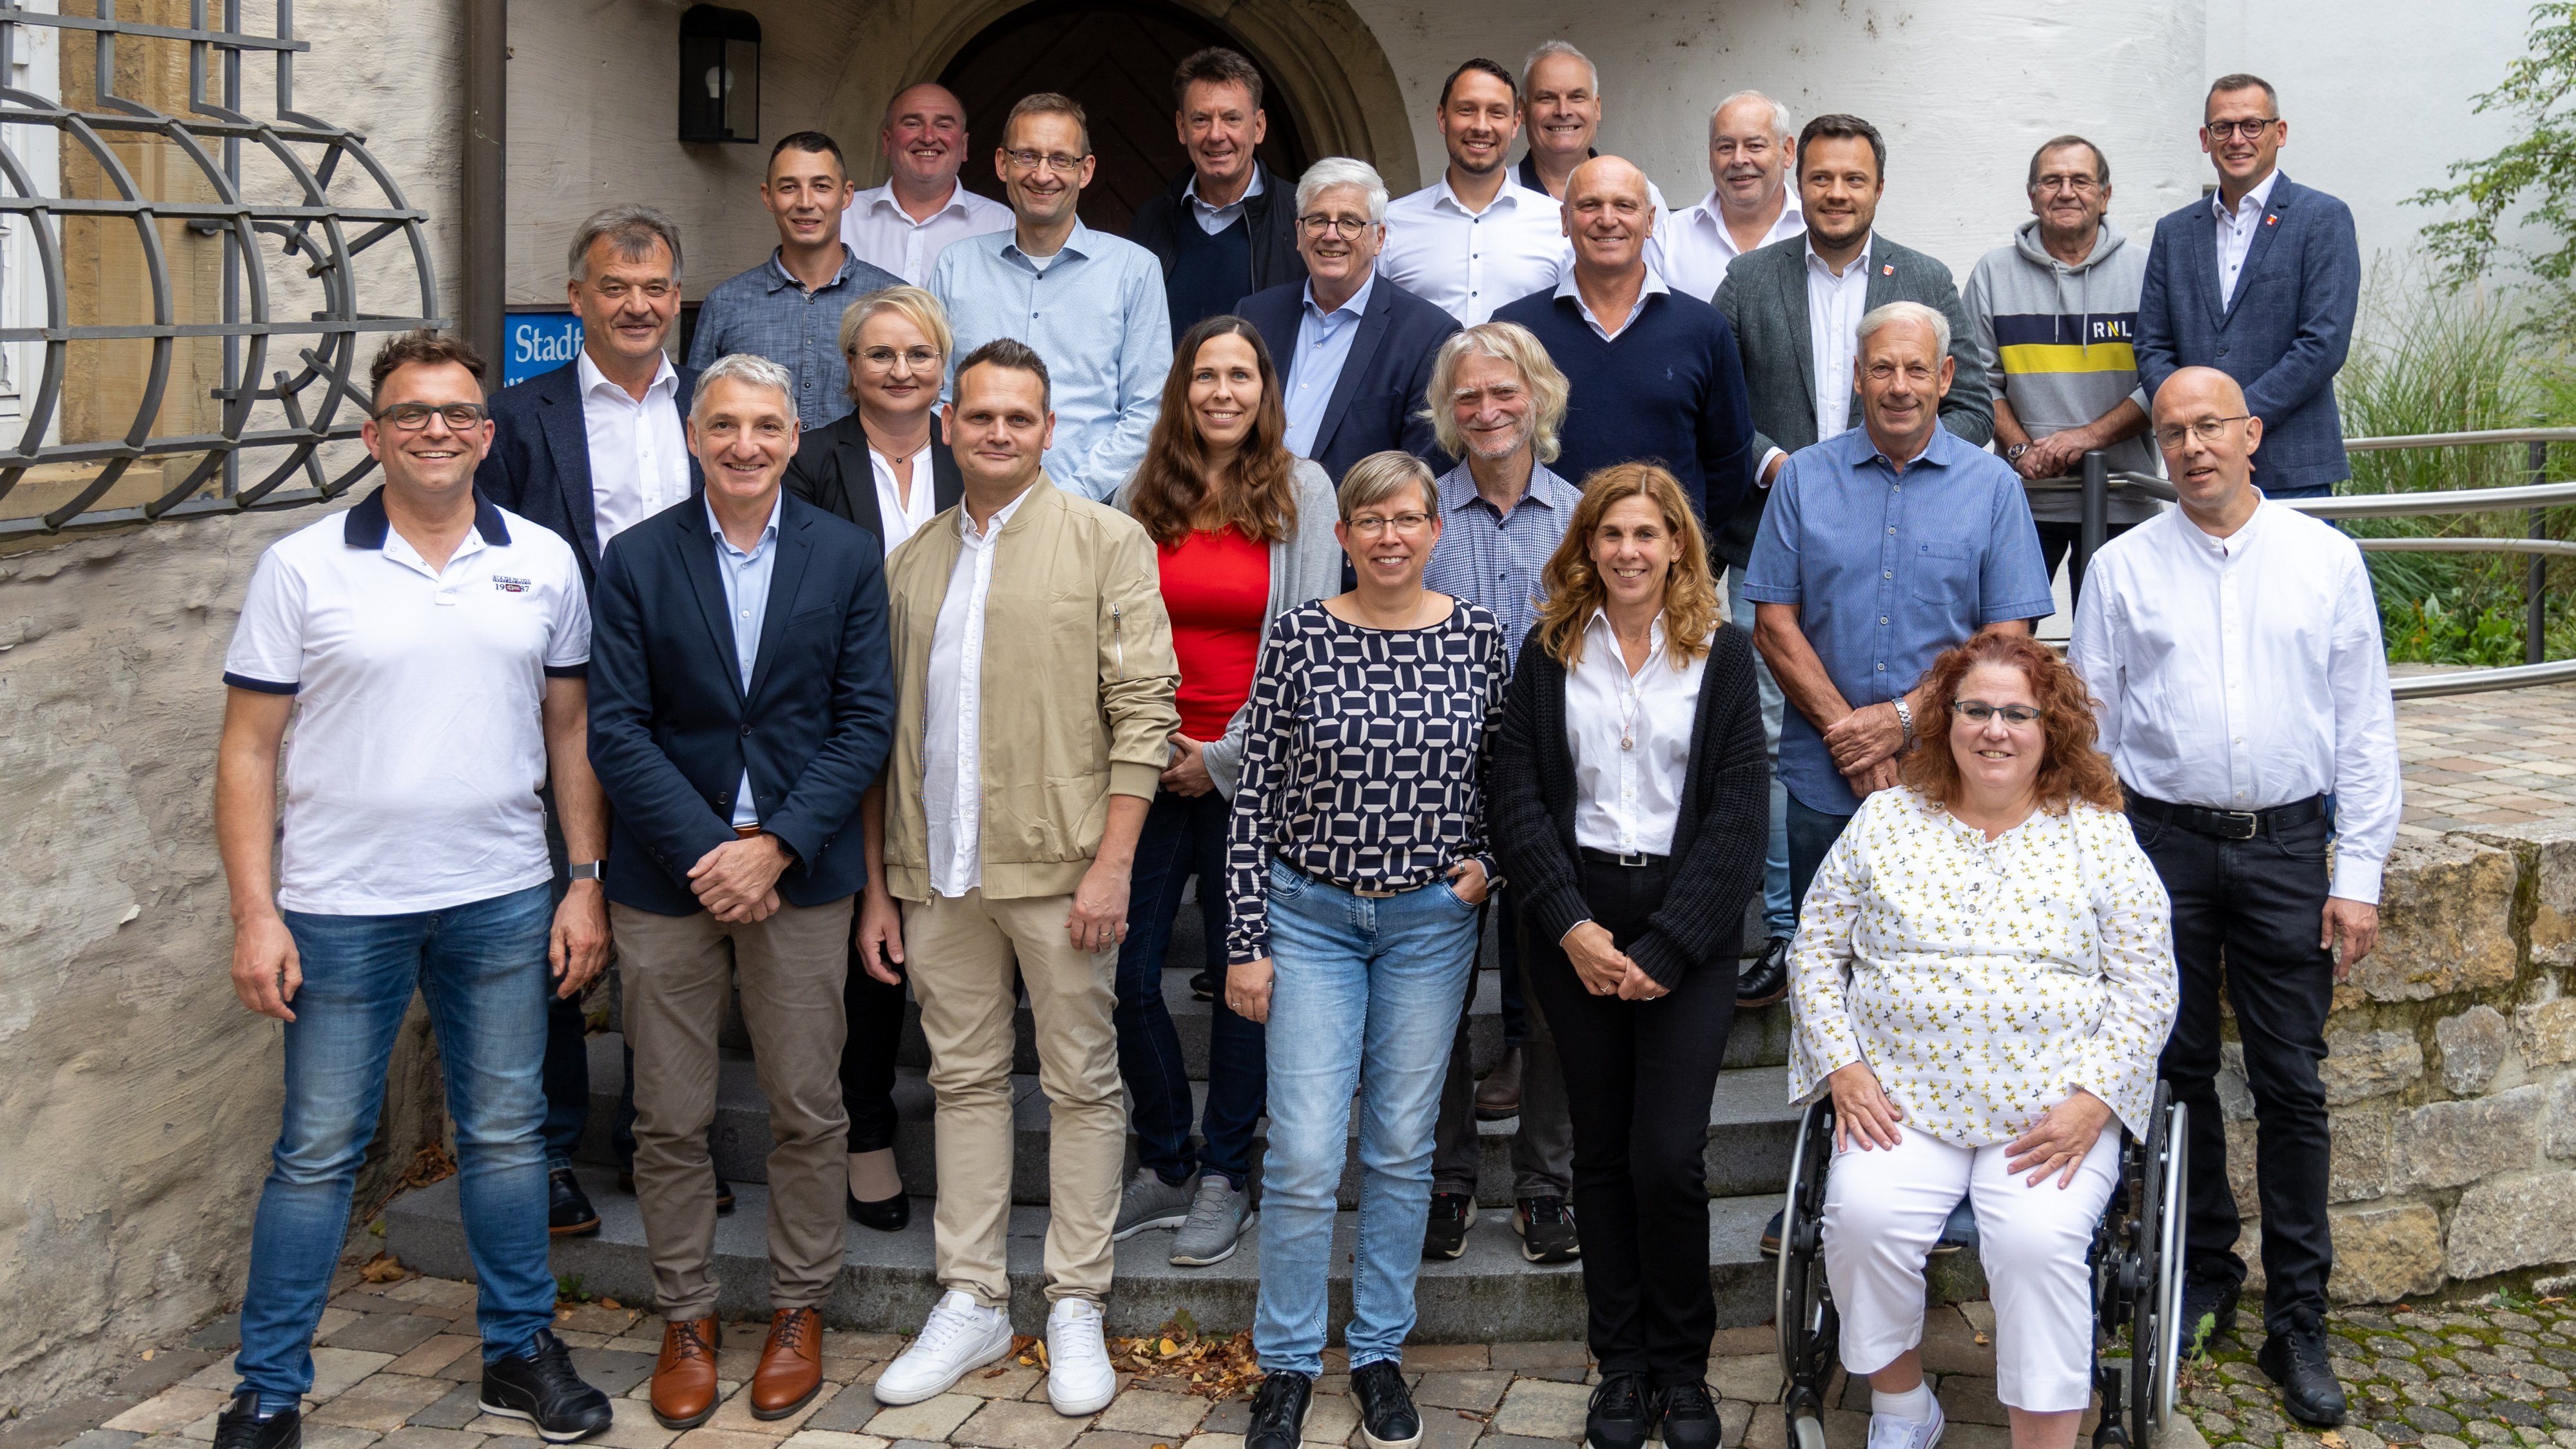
point(886, 1286)
point(1751, 1126)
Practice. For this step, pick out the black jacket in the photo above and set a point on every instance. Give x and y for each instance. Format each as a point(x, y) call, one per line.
point(831, 471)
point(1718, 843)
point(539, 466)
point(1270, 218)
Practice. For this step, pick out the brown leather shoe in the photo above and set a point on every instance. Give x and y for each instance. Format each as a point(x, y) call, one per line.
point(684, 1377)
point(791, 1364)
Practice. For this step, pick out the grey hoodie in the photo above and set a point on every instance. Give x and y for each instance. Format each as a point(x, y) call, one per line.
point(2059, 339)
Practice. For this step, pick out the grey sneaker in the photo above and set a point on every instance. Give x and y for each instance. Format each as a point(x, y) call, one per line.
point(1150, 1202)
point(1217, 1220)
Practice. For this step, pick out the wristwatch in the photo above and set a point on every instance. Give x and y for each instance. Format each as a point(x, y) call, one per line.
point(1905, 721)
point(2013, 453)
point(590, 870)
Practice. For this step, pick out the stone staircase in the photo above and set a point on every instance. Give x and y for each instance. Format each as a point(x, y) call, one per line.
point(1488, 1295)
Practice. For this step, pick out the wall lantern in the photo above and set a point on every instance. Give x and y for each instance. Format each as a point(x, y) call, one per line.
point(719, 74)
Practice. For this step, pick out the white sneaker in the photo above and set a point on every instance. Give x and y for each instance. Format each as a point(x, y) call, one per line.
point(960, 1337)
point(1079, 1378)
point(1888, 1431)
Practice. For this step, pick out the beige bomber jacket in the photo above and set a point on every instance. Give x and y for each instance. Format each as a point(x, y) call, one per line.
point(1077, 683)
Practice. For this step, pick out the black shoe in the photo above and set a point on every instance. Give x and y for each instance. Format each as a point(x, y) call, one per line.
point(240, 1427)
point(1546, 1226)
point(1771, 1236)
point(568, 1210)
point(1202, 986)
point(1621, 1416)
point(1689, 1417)
point(890, 1216)
point(1452, 1213)
point(2296, 1360)
point(2208, 1311)
point(1387, 1416)
point(1279, 1412)
point(541, 1387)
point(1767, 979)
point(724, 1190)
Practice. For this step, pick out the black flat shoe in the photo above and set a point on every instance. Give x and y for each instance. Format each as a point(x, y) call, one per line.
point(1767, 979)
point(1202, 986)
point(241, 1427)
point(542, 1387)
point(2208, 1313)
point(890, 1216)
point(1620, 1415)
point(568, 1210)
point(1388, 1419)
point(1688, 1417)
point(2296, 1360)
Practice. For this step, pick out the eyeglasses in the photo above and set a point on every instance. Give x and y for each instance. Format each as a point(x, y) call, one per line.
point(2208, 430)
point(1977, 711)
point(412, 417)
point(651, 291)
point(1370, 525)
point(881, 359)
point(2251, 130)
point(1032, 160)
point(1345, 227)
point(2080, 185)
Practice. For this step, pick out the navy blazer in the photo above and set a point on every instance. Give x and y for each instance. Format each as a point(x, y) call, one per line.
point(1378, 401)
point(672, 729)
point(539, 466)
point(2283, 335)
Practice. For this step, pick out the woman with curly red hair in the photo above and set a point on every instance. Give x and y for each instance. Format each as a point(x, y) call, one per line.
point(1983, 979)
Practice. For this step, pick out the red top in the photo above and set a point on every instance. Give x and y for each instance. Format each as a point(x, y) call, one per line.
point(1215, 586)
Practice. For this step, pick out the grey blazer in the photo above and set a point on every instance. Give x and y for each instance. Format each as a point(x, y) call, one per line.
point(1303, 566)
point(1764, 297)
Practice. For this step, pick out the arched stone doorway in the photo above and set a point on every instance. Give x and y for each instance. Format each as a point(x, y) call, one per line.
point(1329, 80)
point(1117, 59)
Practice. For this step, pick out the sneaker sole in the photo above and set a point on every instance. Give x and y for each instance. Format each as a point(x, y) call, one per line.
point(898, 1399)
point(1485, 1113)
point(1374, 1442)
point(555, 1436)
point(1081, 1408)
point(1149, 1225)
point(1204, 1261)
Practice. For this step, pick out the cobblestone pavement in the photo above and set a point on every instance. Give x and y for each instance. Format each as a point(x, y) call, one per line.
point(2475, 760)
point(2456, 1376)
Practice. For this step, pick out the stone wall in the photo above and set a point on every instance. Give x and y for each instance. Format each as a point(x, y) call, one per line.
point(2448, 1073)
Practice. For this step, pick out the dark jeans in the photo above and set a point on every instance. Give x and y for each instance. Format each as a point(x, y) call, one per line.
point(2059, 541)
point(2258, 904)
point(875, 1014)
point(1184, 835)
point(1638, 1079)
point(1812, 834)
point(1542, 1140)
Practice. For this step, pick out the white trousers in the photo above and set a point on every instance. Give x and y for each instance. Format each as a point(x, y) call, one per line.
point(1883, 1212)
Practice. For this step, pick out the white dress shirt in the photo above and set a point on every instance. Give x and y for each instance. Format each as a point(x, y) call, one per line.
point(2246, 672)
point(639, 455)
point(1565, 288)
point(2236, 231)
point(1630, 735)
point(1471, 262)
point(1698, 248)
point(952, 776)
point(1834, 308)
point(883, 234)
point(1214, 219)
point(899, 518)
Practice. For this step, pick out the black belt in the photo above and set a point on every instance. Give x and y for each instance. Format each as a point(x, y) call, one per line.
point(2230, 824)
point(1612, 857)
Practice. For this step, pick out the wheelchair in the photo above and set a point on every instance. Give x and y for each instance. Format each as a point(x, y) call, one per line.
point(2137, 1266)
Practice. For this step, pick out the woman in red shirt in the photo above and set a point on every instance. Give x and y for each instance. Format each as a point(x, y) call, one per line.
point(1243, 532)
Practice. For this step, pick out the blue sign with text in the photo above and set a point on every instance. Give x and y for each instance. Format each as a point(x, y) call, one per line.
point(539, 342)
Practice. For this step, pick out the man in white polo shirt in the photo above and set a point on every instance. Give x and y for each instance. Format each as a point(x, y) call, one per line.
point(431, 649)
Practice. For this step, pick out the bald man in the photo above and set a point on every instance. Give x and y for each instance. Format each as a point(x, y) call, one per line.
point(903, 225)
point(2234, 646)
point(1655, 374)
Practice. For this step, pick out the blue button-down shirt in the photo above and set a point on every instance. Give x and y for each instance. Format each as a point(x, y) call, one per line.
point(1888, 568)
point(768, 312)
point(1096, 314)
point(746, 591)
point(1323, 345)
point(1499, 559)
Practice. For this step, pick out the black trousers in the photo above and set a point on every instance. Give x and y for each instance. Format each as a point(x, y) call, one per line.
point(1638, 1079)
point(2258, 905)
point(875, 1012)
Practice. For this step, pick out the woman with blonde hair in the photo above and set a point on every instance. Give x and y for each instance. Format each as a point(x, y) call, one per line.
point(1630, 801)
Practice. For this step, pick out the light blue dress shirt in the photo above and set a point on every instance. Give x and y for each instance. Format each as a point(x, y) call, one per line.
point(1323, 345)
point(746, 591)
point(1096, 314)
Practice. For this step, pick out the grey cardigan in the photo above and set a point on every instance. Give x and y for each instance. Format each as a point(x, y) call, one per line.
point(1305, 565)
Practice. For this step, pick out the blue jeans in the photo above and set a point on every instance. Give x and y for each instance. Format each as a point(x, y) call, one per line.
point(482, 969)
point(1184, 835)
point(1779, 906)
point(1367, 997)
point(1812, 834)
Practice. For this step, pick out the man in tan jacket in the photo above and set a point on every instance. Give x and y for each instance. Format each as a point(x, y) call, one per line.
point(1034, 679)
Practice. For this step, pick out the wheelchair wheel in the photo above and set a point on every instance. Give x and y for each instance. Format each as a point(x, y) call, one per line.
point(1804, 1308)
point(2157, 1319)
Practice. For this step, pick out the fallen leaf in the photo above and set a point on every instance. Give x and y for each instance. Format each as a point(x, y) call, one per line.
point(147, 1358)
point(1167, 1348)
point(2333, 1440)
point(995, 1373)
point(383, 1268)
point(1983, 1341)
point(610, 1303)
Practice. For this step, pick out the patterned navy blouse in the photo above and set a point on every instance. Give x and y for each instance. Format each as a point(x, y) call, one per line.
point(1364, 758)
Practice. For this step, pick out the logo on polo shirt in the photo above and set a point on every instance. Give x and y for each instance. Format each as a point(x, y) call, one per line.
point(509, 585)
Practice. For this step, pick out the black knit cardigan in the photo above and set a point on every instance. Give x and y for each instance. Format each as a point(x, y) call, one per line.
point(1718, 842)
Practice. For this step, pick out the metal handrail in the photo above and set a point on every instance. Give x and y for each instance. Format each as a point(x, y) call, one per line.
point(2460, 440)
point(2451, 500)
point(2482, 681)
